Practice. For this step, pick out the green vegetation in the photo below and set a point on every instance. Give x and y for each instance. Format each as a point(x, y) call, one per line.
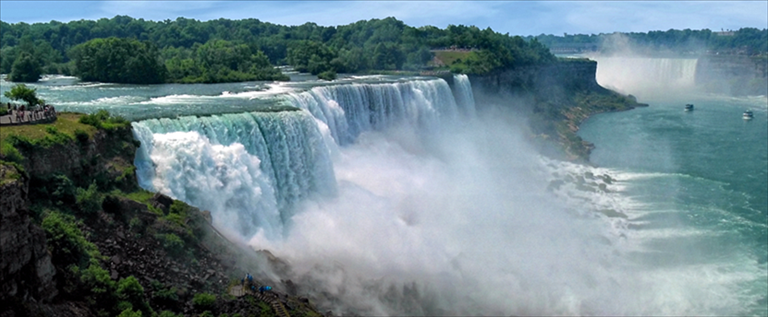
point(219, 61)
point(89, 200)
point(118, 60)
point(204, 300)
point(129, 290)
point(103, 120)
point(66, 242)
point(748, 41)
point(22, 92)
point(191, 51)
point(25, 69)
point(327, 75)
point(20, 139)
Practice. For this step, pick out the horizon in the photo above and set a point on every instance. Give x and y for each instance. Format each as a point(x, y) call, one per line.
point(527, 18)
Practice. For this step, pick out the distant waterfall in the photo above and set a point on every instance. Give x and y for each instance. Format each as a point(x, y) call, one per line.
point(638, 74)
point(251, 169)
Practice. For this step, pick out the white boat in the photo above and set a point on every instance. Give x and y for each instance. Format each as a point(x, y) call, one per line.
point(748, 115)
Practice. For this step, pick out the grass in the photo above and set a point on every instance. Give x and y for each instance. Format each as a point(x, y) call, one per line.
point(66, 123)
point(449, 57)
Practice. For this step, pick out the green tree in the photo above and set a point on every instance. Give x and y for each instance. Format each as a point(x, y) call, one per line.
point(119, 61)
point(22, 92)
point(25, 69)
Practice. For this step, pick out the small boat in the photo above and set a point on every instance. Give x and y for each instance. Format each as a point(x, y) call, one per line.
point(689, 107)
point(748, 115)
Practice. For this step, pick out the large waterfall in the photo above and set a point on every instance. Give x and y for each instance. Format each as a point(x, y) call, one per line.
point(636, 75)
point(252, 169)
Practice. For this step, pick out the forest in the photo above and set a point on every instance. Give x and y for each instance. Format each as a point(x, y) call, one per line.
point(745, 41)
point(127, 50)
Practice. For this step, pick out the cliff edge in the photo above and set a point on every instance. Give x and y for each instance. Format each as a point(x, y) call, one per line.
point(555, 98)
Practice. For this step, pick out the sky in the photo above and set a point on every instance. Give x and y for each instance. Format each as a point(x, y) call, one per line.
point(513, 17)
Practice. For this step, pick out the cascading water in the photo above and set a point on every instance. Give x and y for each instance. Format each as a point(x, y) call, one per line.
point(349, 110)
point(252, 169)
point(248, 169)
point(636, 75)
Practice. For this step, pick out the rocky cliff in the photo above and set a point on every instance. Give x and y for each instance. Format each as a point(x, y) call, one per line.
point(75, 229)
point(555, 98)
point(26, 272)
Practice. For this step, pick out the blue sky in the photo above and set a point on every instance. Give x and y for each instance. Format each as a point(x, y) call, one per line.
point(515, 17)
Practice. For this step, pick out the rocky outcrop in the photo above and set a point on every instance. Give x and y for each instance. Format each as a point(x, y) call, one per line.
point(105, 156)
point(26, 271)
point(555, 98)
point(554, 80)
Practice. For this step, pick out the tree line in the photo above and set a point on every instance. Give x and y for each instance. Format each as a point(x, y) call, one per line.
point(189, 51)
point(747, 41)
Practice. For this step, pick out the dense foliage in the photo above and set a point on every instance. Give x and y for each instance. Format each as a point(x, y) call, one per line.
point(236, 50)
point(748, 41)
point(118, 60)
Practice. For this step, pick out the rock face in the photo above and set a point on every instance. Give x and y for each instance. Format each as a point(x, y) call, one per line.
point(105, 156)
point(553, 80)
point(26, 271)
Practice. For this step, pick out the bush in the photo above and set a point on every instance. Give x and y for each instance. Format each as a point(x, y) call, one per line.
point(129, 289)
point(11, 154)
point(172, 243)
point(81, 136)
point(63, 190)
point(97, 280)
point(66, 242)
point(88, 200)
point(136, 225)
point(204, 300)
point(130, 313)
point(327, 75)
point(168, 313)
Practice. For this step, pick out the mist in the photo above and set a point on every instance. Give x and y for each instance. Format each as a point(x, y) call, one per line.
point(460, 222)
point(644, 71)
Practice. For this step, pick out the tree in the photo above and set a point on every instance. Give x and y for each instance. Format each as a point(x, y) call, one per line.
point(22, 92)
point(25, 69)
point(117, 60)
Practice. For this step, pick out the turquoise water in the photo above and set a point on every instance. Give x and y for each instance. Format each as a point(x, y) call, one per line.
point(369, 211)
point(699, 183)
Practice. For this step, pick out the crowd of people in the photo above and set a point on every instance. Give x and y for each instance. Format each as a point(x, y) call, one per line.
point(20, 113)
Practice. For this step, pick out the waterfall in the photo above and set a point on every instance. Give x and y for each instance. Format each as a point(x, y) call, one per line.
point(639, 74)
point(252, 169)
point(349, 110)
point(463, 94)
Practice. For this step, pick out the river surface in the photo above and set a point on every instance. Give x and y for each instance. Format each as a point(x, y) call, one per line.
point(398, 195)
